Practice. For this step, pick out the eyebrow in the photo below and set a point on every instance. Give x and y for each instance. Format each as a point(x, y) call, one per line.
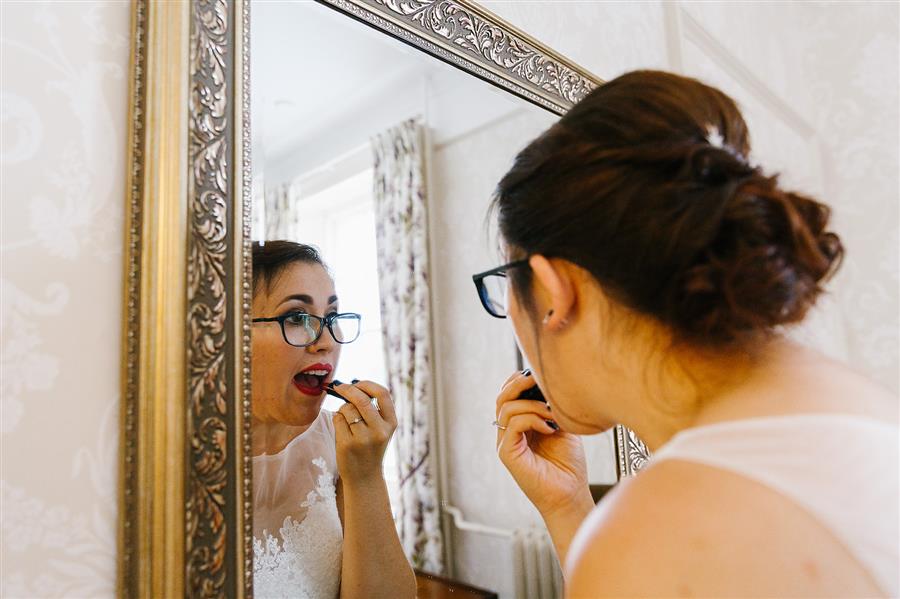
point(302, 297)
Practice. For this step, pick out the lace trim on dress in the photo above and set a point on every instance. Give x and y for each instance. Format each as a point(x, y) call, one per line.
point(307, 562)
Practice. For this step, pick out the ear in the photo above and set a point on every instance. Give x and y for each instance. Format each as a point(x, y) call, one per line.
point(554, 282)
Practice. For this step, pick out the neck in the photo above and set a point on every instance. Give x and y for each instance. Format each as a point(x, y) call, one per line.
point(691, 387)
point(270, 437)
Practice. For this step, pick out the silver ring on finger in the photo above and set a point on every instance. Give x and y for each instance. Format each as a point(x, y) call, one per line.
point(498, 425)
point(356, 421)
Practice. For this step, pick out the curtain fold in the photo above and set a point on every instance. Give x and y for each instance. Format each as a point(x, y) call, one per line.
point(401, 233)
point(282, 212)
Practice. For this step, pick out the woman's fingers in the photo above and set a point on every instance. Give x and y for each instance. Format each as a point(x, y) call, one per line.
point(512, 409)
point(351, 416)
point(341, 426)
point(385, 402)
point(379, 425)
point(514, 387)
point(359, 400)
point(511, 442)
point(510, 378)
point(522, 406)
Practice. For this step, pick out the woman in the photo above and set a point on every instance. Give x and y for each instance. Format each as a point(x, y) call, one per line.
point(322, 520)
point(652, 270)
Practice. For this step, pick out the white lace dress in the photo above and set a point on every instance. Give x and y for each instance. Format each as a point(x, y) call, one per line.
point(297, 536)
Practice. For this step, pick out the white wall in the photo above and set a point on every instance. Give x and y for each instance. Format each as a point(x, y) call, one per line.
point(64, 115)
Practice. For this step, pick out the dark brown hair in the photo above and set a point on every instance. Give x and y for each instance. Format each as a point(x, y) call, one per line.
point(646, 184)
point(272, 257)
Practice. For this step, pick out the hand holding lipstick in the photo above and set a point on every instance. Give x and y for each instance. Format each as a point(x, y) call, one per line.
point(548, 464)
point(363, 427)
point(329, 389)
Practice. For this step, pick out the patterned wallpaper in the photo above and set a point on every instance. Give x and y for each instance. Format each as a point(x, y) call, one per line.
point(815, 73)
point(63, 98)
point(841, 79)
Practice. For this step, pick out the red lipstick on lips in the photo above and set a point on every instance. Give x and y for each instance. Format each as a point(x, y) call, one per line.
point(312, 379)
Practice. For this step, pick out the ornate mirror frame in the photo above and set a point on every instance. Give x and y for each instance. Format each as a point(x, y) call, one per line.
point(185, 503)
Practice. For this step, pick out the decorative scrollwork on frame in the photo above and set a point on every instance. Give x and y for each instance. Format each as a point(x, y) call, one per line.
point(208, 208)
point(468, 32)
point(457, 33)
point(631, 453)
point(638, 454)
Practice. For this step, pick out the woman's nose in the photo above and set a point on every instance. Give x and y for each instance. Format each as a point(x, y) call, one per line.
point(324, 343)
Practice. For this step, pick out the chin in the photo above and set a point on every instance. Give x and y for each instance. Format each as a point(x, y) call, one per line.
point(583, 428)
point(306, 412)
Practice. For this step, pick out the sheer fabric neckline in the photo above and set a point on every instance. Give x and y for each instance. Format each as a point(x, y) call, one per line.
point(297, 532)
point(296, 439)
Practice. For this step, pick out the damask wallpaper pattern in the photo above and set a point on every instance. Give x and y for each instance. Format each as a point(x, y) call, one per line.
point(63, 107)
point(63, 100)
point(835, 65)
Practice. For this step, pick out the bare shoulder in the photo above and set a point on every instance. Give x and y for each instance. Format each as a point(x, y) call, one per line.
point(830, 385)
point(680, 529)
point(647, 524)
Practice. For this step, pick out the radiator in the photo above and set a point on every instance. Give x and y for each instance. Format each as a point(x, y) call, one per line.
point(536, 570)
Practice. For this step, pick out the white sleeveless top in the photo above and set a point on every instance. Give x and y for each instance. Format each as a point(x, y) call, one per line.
point(297, 534)
point(842, 469)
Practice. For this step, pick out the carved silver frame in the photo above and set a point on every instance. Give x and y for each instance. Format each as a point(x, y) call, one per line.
point(186, 508)
point(467, 36)
point(631, 453)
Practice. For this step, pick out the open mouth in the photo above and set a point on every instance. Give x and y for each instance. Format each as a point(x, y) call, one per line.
point(312, 380)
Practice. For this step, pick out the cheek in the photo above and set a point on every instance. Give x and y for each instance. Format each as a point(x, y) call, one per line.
point(523, 329)
point(268, 357)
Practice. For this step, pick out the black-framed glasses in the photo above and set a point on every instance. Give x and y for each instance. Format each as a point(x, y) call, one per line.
point(301, 329)
point(493, 290)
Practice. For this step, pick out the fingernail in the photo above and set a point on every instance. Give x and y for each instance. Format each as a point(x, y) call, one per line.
point(552, 425)
point(335, 383)
point(354, 381)
point(329, 389)
point(526, 372)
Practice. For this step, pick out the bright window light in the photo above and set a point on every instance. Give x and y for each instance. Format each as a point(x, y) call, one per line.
point(340, 221)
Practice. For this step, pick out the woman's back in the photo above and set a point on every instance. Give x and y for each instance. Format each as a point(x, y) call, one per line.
point(793, 502)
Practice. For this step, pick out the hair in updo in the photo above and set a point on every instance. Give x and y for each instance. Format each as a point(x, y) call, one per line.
point(271, 258)
point(646, 184)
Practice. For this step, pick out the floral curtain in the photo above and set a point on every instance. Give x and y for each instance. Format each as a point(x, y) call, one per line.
point(281, 212)
point(400, 212)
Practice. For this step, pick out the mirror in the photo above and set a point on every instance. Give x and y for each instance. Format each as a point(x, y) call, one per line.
point(378, 125)
point(186, 498)
point(384, 159)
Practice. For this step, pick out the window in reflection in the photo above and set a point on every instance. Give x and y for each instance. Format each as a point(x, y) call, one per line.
point(335, 206)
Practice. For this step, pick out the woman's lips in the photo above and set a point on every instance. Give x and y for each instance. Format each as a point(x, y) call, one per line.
point(306, 390)
point(312, 379)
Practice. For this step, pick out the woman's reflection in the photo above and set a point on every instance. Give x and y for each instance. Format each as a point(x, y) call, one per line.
point(322, 520)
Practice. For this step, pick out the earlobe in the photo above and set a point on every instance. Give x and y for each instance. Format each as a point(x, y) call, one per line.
point(556, 286)
point(563, 322)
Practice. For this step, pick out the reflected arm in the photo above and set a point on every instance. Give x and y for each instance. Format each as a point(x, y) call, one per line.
point(373, 564)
